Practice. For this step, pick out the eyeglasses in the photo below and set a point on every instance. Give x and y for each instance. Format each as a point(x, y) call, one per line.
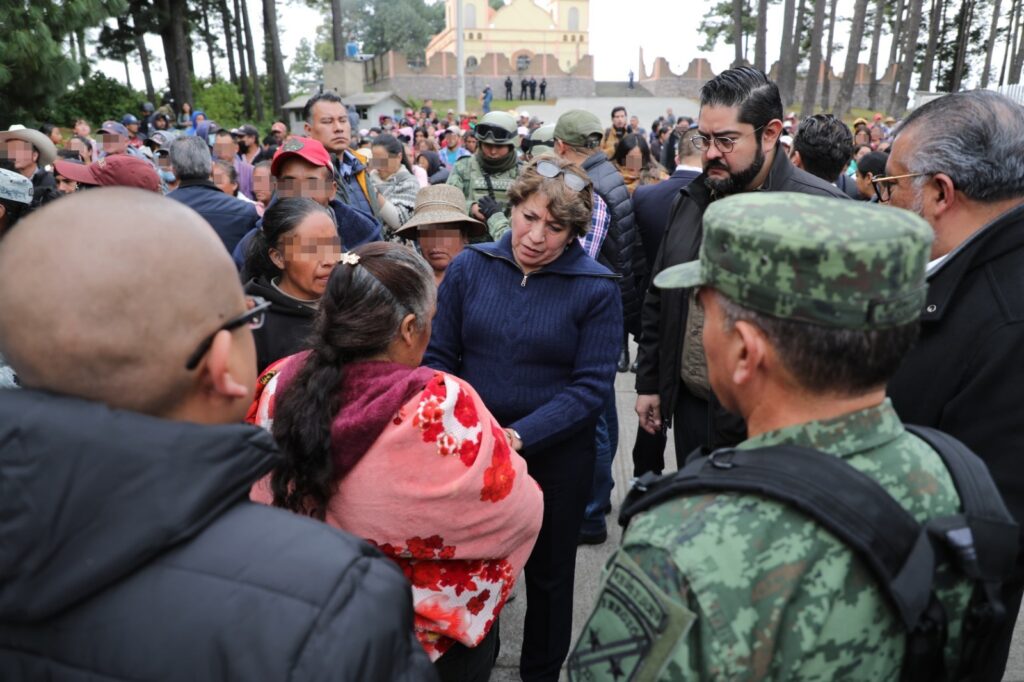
point(486, 132)
point(549, 169)
point(724, 144)
point(883, 186)
point(254, 317)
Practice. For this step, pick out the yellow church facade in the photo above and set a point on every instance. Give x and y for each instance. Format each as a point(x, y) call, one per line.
point(520, 30)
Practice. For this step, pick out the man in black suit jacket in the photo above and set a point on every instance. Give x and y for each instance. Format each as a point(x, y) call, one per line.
point(652, 205)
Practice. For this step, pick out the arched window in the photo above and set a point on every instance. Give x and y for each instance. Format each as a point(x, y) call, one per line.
point(469, 15)
point(479, 36)
point(565, 38)
point(574, 19)
point(471, 63)
point(523, 62)
point(572, 40)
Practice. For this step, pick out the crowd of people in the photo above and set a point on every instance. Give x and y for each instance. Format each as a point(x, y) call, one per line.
point(327, 437)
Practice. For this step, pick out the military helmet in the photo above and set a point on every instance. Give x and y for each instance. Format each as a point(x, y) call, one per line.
point(542, 141)
point(497, 127)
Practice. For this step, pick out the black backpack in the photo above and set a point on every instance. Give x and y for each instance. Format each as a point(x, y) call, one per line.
point(980, 543)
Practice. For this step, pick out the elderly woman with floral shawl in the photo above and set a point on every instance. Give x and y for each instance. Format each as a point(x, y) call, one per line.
point(404, 456)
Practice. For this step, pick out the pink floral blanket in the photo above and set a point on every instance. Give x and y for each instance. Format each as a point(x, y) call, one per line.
point(441, 493)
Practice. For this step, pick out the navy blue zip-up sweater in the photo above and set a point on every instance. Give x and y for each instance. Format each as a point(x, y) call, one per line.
point(540, 349)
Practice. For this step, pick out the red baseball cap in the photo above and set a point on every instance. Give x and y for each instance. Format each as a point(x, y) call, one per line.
point(119, 170)
point(305, 148)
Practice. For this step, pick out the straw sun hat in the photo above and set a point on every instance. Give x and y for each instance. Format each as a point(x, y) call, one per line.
point(442, 206)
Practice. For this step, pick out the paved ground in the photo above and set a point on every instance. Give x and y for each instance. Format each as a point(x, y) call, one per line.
point(646, 108)
point(589, 560)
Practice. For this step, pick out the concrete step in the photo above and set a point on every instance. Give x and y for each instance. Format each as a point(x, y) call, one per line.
point(620, 89)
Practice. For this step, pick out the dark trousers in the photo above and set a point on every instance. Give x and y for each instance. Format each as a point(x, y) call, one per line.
point(465, 664)
point(565, 473)
point(508, 92)
point(649, 452)
point(690, 426)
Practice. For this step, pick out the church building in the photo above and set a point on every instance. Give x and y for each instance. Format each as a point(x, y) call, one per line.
point(520, 30)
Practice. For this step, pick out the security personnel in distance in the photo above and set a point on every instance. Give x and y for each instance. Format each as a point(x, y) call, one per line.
point(485, 177)
point(810, 305)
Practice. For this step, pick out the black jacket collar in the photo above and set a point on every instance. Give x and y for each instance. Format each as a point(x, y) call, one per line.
point(1005, 233)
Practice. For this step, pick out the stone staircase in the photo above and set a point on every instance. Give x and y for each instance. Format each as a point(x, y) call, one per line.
point(619, 89)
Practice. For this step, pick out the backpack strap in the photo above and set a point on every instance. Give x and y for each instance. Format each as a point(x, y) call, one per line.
point(847, 503)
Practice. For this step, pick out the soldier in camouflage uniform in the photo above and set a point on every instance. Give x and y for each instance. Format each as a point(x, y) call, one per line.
point(810, 303)
point(485, 177)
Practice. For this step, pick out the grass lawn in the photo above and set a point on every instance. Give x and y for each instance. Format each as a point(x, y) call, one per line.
point(441, 106)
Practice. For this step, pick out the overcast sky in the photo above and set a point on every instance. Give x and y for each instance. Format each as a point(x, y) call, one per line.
point(615, 37)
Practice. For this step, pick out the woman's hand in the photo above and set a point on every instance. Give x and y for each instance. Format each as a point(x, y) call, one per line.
point(513, 440)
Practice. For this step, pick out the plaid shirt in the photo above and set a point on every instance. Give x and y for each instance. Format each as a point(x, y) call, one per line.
point(599, 221)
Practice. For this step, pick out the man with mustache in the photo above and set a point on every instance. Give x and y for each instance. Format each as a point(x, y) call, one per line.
point(739, 126)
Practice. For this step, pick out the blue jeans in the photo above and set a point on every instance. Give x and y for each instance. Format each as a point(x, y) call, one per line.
point(606, 444)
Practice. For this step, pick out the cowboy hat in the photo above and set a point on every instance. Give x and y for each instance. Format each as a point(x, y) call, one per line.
point(43, 144)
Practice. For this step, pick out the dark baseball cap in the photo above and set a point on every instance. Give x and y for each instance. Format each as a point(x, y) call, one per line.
point(246, 130)
point(129, 119)
point(119, 170)
point(115, 128)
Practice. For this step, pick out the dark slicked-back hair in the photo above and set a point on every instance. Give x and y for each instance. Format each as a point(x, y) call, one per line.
point(825, 146)
point(307, 111)
point(747, 88)
point(976, 138)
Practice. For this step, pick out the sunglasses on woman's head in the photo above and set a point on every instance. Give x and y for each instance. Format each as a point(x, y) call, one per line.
point(549, 169)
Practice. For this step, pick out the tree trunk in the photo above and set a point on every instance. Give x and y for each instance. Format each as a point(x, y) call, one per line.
point(876, 37)
point(760, 47)
point(337, 35)
point(82, 59)
point(860, 10)
point(934, 28)
point(826, 82)
point(990, 48)
point(275, 62)
point(1014, 9)
point(912, 30)
point(250, 52)
point(814, 61)
point(140, 47)
point(243, 70)
point(786, 68)
point(895, 55)
point(1018, 59)
point(208, 39)
point(225, 19)
point(963, 34)
point(794, 53)
point(737, 32)
point(127, 74)
point(176, 48)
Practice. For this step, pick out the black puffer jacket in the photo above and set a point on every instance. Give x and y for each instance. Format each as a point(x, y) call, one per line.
point(285, 328)
point(619, 253)
point(130, 552)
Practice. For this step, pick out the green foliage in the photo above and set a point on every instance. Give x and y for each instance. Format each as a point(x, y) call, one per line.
point(34, 69)
point(404, 25)
point(97, 99)
point(220, 101)
point(306, 66)
point(717, 24)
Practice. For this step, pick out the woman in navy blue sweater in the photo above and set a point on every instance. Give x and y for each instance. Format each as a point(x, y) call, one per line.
point(533, 324)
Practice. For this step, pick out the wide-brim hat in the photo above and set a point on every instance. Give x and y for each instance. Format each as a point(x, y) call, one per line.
point(443, 205)
point(43, 144)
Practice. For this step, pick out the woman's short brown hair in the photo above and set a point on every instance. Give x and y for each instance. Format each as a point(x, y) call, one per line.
point(569, 207)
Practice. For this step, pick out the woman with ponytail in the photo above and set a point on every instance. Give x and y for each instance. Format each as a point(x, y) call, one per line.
point(289, 261)
point(403, 456)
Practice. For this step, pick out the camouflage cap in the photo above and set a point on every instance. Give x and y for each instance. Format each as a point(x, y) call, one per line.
point(825, 261)
point(15, 187)
point(578, 128)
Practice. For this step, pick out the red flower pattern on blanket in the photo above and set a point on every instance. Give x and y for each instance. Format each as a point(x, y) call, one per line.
point(442, 494)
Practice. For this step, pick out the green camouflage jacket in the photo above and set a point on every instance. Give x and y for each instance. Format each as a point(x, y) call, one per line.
point(738, 587)
point(469, 177)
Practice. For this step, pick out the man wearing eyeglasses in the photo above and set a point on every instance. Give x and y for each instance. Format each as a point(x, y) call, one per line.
point(739, 126)
point(131, 549)
point(958, 162)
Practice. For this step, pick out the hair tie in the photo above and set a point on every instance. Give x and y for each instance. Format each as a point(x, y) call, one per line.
point(349, 258)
